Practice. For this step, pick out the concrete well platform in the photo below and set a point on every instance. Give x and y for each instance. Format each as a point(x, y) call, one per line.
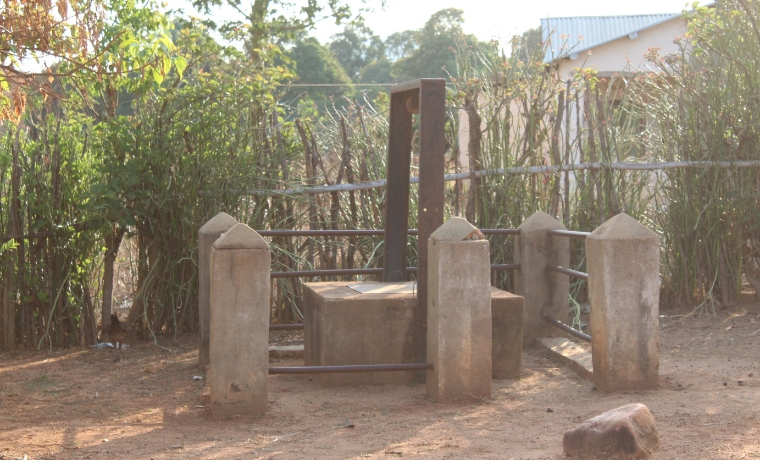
point(376, 323)
point(343, 326)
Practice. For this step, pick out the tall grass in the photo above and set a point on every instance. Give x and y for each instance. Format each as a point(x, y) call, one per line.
point(527, 116)
point(706, 107)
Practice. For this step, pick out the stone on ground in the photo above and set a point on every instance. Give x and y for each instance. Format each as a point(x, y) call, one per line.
point(623, 433)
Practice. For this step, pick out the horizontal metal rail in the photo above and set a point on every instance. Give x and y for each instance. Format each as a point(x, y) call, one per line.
point(553, 321)
point(569, 233)
point(285, 327)
point(372, 232)
point(364, 271)
point(342, 272)
point(567, 271)
point(504, 267)
point(351, 369)
point(358, 232)
point(500, 231)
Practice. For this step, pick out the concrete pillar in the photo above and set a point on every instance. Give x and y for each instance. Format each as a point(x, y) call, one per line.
point(545, 292)
point(207, 234)
point(239, 340)
point(508, 317)
point(623, 260)
point(459, 313)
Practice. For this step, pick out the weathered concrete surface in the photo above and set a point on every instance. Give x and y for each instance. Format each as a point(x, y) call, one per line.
point(285, 351)
point(545, 292)
point(568, 353)
point(343, 327)
point(457, 229)
point(207, 234)
point(623, 260)
point(239, 339)
point(623, 433)
point(507, 323)
point(333, 311)
point(459, 317)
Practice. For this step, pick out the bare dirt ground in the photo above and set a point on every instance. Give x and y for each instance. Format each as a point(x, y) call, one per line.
point(79, 404)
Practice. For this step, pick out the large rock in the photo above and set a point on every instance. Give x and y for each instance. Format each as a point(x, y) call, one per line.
point(623, 433)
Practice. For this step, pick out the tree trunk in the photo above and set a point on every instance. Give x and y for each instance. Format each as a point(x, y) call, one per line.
point(474, 201)
point(113, 241)
point(9, 310)
point(259, 11)
point(9, 288)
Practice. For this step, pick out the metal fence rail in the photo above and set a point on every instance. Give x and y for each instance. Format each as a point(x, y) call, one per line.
point(569, 233)
point(286, 327)
point(567, 271)
point(554, 322)
point(364, 271)
point(370, 232)
point(351, 369)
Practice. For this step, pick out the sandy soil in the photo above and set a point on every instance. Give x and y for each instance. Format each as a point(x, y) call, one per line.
point(79, 404)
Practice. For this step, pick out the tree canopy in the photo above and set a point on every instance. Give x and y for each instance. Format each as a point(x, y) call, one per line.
point(96, 42)
point(316, 64)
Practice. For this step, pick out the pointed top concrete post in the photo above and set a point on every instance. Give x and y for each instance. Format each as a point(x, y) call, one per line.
point(220, 223)
point(239, 339)
point(207, 234)
point(241, 236)
point(623, 259)
point(459, 313)
point(545, 292)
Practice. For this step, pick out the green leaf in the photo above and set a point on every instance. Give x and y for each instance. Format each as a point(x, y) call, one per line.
point(128, 42)
point(157, 77)
point(181, 64)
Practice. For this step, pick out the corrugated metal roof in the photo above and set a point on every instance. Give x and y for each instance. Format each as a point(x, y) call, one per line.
point(565, 33)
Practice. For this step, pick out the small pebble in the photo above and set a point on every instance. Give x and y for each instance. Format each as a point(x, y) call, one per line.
point(750, 374)
point(549, 410)
point(725, 384)
point(741, 383)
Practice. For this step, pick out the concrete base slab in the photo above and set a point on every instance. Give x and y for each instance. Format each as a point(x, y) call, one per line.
point(342, 326)
point(375, 323)
point(508, 319)
point(569, 354)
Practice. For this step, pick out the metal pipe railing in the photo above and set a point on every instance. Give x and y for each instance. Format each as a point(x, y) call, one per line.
point(569, 233)
point(371, 232)
point(500, 231)
point(286, 327)
point(351, 369)
point(554, 322)
point(504, 267)
point(338, 272)
point(364, 271)
point(567, 271)
point(358, 232)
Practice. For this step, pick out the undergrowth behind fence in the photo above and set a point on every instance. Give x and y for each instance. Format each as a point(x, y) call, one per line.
point(95, 202)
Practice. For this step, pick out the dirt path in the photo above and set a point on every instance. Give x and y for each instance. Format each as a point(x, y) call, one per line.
point(67, 404)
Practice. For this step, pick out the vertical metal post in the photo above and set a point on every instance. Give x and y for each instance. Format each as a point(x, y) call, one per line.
point(428, 98)
point(397, 189)
point(430, 192)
